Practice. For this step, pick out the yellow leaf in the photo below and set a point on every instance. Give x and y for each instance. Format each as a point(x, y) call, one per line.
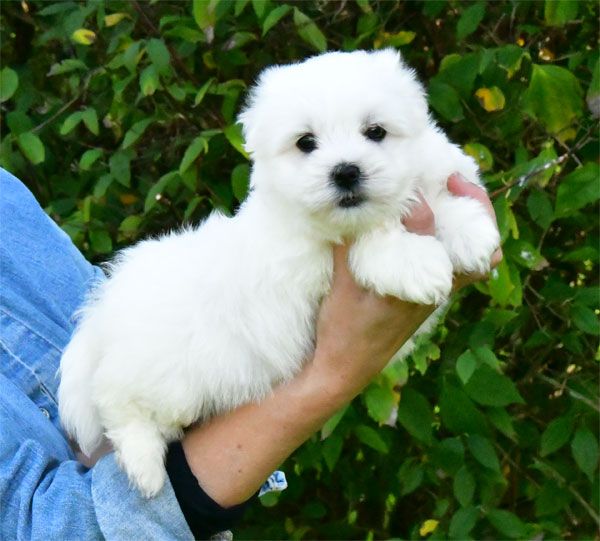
point(491, 99)
point(114, 18)
point(429, 526)
point(398, 39)
point(128, 198)
point(546, 54)
point(83, 36)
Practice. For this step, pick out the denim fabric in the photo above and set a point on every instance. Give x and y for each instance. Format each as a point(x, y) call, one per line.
point(44, 492)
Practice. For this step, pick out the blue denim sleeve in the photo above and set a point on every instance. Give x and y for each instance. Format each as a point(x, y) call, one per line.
point(45, 493)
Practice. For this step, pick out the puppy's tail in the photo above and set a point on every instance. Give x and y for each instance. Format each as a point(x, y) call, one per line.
point(78, 414)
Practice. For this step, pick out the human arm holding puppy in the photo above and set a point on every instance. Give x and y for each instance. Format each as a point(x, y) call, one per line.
point(357, 333)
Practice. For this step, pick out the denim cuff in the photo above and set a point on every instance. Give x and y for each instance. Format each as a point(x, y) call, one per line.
point(124, 514)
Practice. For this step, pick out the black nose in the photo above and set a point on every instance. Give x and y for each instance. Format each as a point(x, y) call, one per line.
point(346, 175)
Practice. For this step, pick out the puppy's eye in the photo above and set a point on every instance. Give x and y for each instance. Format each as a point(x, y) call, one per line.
point(307, 143)
point(375, 133)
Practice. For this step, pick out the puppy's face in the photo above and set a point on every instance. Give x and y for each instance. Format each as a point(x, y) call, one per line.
point(333, 137)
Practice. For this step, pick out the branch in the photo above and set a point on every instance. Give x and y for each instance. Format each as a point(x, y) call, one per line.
point(524, 179)
point(574, 394)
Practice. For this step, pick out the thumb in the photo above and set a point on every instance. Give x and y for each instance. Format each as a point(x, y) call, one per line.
point(340, 263)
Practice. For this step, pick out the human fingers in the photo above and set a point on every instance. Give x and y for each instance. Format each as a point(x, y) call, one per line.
point(461, 187)
point(420, 220)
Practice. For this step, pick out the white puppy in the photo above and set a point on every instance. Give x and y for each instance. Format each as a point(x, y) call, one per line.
point(200, 321)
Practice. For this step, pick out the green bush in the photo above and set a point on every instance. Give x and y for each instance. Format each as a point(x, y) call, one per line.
point(121, 118)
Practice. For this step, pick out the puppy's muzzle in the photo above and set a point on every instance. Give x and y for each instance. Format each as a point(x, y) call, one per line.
point(347, 177)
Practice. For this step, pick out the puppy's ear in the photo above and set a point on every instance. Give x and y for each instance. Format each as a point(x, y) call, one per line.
point(407, 82)
point(254, 109)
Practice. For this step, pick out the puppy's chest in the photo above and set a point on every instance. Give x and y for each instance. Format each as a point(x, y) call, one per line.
point(285, 306)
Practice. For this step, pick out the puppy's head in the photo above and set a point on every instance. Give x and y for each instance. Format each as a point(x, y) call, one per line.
point(333, 136)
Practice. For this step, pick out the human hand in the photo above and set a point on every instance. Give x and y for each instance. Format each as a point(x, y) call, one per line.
point(459, 186)
point(359, 331)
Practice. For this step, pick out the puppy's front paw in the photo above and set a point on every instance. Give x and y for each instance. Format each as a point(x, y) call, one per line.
point(468, 234)
point(414, 268)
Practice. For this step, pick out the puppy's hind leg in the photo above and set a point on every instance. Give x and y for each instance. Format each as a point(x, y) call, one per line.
point(140, 449)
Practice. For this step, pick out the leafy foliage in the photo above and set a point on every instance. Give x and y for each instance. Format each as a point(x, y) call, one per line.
point(121, 117)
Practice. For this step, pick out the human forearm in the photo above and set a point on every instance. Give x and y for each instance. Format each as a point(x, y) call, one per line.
point(232, 455)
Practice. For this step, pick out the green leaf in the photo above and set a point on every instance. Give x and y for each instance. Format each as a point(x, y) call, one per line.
point(233, 133)
point(130, 224)
point(203, 90)
point(66, 66)
point(135, 132)
point(464, 486)
point(483, 451)
point(449, 454)
point(332, 422)
point(585, 451)
point(102, 185)
point(507, 523)
point(463, 521)
point(502, 421)
point(557, 433)
point(371, 438)
point(149, 81)
point(559, 12)
point(481, 154)
point(592, 97)
point(205, 17)
point(88, 158)
point(578, 189)
point(585, 319)
point(490, 388)
point(458, 413)
point(192, 152)
point(274, 17)
point(70, 122)
point(157, 188)
point(380, 402)
point(510, 57)
point(331, 449)
point(259, 7)
point(90, 119)
point(460, 72)
point(540, 208)
point(415, 415)
point(132, 56)
point(525, 254)
point(100, 241)
point(410, 476)
point(240, 181)
point(159, 55)
point(500, 284)
point(445, 100)
point(32, 147)
point(469, 20)
point(465, 366)
point(554, 97)
point(309, 31)
point(551, 499)
point(9, 82)
point(18, 122)
point(119, 168)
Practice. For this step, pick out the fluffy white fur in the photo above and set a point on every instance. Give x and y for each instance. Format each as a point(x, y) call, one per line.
point(200, 321)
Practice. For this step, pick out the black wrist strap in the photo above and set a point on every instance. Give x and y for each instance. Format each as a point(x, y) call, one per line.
point(204, 516)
